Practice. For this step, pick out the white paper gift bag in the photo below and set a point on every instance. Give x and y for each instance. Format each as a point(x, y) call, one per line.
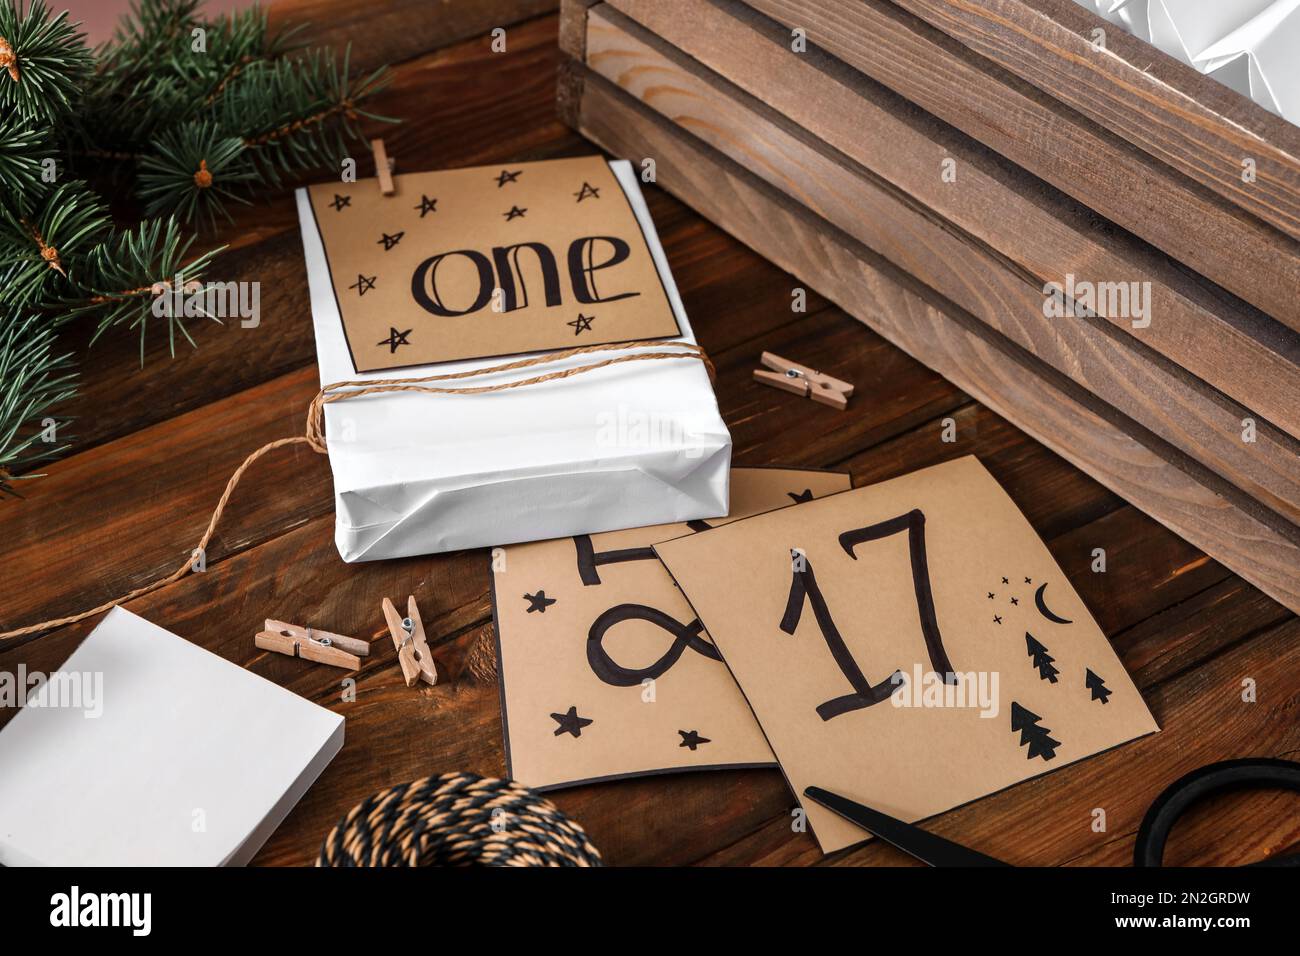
point(482, 267)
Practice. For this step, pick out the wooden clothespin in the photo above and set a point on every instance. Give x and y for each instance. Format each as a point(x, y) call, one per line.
point(793, 377)
point(312, 645)
point(412, 648)
point(383, 167)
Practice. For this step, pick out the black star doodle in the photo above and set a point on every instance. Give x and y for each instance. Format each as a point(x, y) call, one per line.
point(514, 213)
point(507, 177)
point(1005, 581)
point(1015, 601)
point(390, 241)
point(581, 324)
point(799, 497)
point(427, 205)
point(341, 201)
point(996, 619)
point(692, 739)
point(395, 339)
point(587, 191)
point(363, 283)
point(1029, 581)
point(991, 595)
point(538, 602)
point(570, 722)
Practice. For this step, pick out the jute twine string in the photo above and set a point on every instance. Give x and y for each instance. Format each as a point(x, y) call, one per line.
point(314, 436)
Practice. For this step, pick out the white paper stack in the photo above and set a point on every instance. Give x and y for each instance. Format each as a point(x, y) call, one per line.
point(627, 446)
point(158, 753)
point(1248, 45)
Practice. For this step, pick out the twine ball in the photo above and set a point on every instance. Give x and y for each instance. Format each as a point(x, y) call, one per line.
point(457, 819)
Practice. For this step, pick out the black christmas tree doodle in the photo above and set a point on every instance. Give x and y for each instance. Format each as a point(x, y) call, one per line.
point(538, 602)
point(582, 323)
point(395, 339)
point(1040, 658)
point(363, 284)
point(587, 191)
point(570, 723)
point(507, 177)
point(1095, 684)
point(692, 739)
point(388, 241)
point(340, 202)
point(1038, 738)
point(514, 213)
point(426, 206)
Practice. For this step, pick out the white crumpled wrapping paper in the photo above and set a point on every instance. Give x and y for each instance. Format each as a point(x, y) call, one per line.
point(626, 446)
point(1251, 46)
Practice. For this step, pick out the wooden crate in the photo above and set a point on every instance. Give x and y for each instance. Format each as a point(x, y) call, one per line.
point(954, 272)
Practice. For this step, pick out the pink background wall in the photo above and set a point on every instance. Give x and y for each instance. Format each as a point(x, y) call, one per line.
point(99, 17)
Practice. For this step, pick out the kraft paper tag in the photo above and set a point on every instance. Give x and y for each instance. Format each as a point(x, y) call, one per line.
point(488, 261)
point(605, 672)
point(816, 609)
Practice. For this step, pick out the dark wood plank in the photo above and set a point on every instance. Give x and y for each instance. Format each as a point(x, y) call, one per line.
point(298, 573)
point(1213, 335)
point(1099, 355)
point(397, 30)
point(1135, 464)
point(1079, 157)
point(1190, 121)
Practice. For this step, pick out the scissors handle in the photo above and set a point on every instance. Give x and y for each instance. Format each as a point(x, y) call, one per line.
point(1212, 778)
point(925, 846)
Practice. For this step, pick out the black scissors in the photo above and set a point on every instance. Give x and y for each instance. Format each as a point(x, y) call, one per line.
point(1150, 849)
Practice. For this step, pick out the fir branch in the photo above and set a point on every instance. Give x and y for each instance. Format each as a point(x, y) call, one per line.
point(121, 277)
point(194, 170)
point(23, 150)
point(40, 249)
point(33, 379)
point(45, 62)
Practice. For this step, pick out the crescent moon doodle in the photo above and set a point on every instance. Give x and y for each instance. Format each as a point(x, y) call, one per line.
point(1044, 609)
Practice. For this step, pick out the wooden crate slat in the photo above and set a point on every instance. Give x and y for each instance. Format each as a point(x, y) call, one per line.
point(1214, 335)
point(1058, 144)
point(1120, 454)
point(1190, 121)
point(1113, 365)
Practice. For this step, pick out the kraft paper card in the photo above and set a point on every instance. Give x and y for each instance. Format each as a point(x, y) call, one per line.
point(488, 261)
point(605, 670)
point(910, 645)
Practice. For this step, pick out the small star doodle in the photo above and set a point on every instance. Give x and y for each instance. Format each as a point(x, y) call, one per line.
point(570, 722)
point(514, 213)
point(426, 206)
point(581, 324)
point(538, 602)
point(340, 202)
point(588, 191)
point(363, 284)
point(692, 739)
point(395, 339)
point(390, 241)
point(507, 177)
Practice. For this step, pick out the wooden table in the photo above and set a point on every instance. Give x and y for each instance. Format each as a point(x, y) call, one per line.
point(154, 447)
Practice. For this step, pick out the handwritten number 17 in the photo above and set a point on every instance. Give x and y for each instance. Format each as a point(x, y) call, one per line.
point(803, 588)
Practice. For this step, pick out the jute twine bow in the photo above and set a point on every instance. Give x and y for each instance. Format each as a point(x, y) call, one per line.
point(314, 436)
